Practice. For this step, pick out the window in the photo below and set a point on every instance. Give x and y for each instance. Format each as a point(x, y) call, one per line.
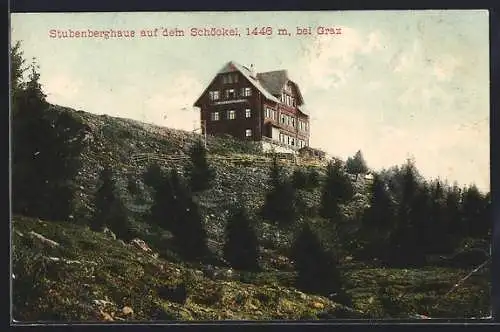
point(275, 116)
point(215, 116)
point(248, 113)
point(231, 115)
point(230, 78)
point(292, 141)
point(230, 94)
point(248, 133)
point(214, 95)
point(293, 122)
point(282, 118)
point(269, 113)
point(246, 92)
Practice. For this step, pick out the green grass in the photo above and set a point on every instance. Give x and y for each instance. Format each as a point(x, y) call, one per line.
point(125, 276)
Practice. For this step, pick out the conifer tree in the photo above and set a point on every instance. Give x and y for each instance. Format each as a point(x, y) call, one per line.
point(182, 217)
point(316, 267)
point(46, 157)
point(453, 217)
point(109, 210)
point(402, 241)
point(473, 211)
point(417, 241)
point(438, 239)
point(18, 69)
point(357, 164)
point(163, 209)
point(378, 219)
point(337, 189)
point(280, 205)
point(200, 174)
point(241, 245)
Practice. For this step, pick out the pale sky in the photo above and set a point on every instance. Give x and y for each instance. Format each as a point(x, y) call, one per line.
point(394, 84)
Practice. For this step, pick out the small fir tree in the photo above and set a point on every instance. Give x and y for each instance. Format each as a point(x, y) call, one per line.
point(319, 275)
point(200, 174)
point(241, 245)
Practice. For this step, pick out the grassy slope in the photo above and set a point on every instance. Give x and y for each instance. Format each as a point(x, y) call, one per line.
point(126, 276)
point(127, 281)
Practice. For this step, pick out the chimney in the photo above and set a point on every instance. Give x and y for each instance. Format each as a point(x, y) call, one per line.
point(252, 71)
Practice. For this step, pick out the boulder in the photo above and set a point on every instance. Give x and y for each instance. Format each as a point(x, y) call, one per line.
point(43, 240)
point(140, 244)
point(109, 233)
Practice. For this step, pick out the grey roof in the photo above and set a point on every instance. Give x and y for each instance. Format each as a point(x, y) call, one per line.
point(273, 81)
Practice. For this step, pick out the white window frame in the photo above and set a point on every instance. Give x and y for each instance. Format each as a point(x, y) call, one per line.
point(215, 116)
point(246, 92)
point(248, 113)
point(214, 95)
point(231, 115)
point(228, 92)
point(248, 133)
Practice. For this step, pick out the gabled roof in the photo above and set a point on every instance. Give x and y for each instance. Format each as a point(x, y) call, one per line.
point(270, 84)
point(273, 81)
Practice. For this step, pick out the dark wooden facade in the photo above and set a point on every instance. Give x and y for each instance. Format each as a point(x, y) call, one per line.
point(265, 106)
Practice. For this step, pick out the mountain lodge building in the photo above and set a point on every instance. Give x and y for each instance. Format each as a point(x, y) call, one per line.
point(265, 107)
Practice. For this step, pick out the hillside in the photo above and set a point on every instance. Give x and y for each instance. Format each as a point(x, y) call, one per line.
point(131, 283)
point(130, 146)
point(117, 281)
